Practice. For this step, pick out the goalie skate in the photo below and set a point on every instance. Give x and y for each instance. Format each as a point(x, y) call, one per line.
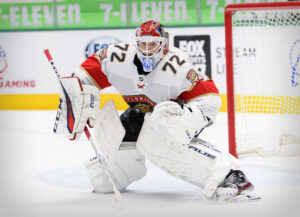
point(235, 188)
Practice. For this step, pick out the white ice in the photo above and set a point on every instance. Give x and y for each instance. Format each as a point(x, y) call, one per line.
point(42, 175)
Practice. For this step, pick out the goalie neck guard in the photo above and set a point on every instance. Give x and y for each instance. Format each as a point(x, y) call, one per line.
point(152, 44)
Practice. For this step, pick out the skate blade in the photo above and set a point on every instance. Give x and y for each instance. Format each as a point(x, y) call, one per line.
point(245, 198)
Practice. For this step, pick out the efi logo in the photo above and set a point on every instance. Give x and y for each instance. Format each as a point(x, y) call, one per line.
point(3, 62)
point(99, 43)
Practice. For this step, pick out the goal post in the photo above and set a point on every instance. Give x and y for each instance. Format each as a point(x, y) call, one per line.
point(263, 77)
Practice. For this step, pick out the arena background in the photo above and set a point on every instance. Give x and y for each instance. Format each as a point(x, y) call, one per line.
point(74, 29)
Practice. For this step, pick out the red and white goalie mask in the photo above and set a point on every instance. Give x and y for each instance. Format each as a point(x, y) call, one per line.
point(152, 44)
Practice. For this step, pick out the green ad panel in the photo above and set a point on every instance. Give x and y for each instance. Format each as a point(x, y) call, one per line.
point(177, 12)
point(81, 14)
point(103, 13)
point(95, 14)
point(27, 16)
point(212, 12)
point(66, 14)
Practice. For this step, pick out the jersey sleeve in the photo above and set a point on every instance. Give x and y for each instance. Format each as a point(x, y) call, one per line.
point(200, 85)
point(92, 66)
point(202, 91)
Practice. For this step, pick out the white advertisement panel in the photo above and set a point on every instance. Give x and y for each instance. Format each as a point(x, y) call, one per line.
point(266, 60)
point(25, 70)
point(25, 59)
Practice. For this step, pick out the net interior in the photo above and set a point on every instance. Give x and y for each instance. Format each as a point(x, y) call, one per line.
point(266, 60)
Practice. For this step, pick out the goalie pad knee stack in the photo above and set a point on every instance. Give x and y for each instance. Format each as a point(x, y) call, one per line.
point(196, 162)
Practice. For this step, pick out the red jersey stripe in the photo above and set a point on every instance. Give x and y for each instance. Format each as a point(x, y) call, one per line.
point(200, 89)
point(93, 68)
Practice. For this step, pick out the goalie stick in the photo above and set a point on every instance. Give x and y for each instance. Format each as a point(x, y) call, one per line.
point(101, 159)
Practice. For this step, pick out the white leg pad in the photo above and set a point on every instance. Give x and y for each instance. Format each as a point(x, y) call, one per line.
point(127, 167)
point(109, 131)
point(124, 162)
point(197, 162)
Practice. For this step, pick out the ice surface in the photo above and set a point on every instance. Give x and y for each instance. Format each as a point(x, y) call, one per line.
point(42, 175)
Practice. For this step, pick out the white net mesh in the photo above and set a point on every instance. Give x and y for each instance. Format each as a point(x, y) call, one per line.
point(267, 80)
point(267, 18)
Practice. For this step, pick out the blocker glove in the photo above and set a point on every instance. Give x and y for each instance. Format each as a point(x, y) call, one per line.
point(78, 105)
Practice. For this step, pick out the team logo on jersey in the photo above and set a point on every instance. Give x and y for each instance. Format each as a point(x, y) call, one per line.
point(141, 103)
point(198, 49)
point(100, 43)
point(101, 55)
point(193, 77)
point(144, 108)
point(295, 62)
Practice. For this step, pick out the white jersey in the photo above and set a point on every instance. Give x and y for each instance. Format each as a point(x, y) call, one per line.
point(174, 77)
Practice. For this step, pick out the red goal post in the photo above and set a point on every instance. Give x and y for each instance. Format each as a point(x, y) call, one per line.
point(229, 12)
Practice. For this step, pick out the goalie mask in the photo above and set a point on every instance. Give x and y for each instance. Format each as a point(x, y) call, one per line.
point(152, 44)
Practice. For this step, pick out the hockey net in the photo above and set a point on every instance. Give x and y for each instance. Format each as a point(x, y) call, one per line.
point(263, 78)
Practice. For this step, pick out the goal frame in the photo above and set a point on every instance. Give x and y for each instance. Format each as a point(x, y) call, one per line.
point(229, 10)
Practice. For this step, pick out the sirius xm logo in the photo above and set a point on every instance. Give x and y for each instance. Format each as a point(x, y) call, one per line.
point(295, 63)
point(198, 49)
point(99, 43)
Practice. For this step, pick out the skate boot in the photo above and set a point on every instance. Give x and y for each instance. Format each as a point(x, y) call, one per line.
point(236, 187)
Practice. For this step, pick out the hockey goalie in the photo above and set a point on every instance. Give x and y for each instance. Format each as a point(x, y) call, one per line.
point(170, 104)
